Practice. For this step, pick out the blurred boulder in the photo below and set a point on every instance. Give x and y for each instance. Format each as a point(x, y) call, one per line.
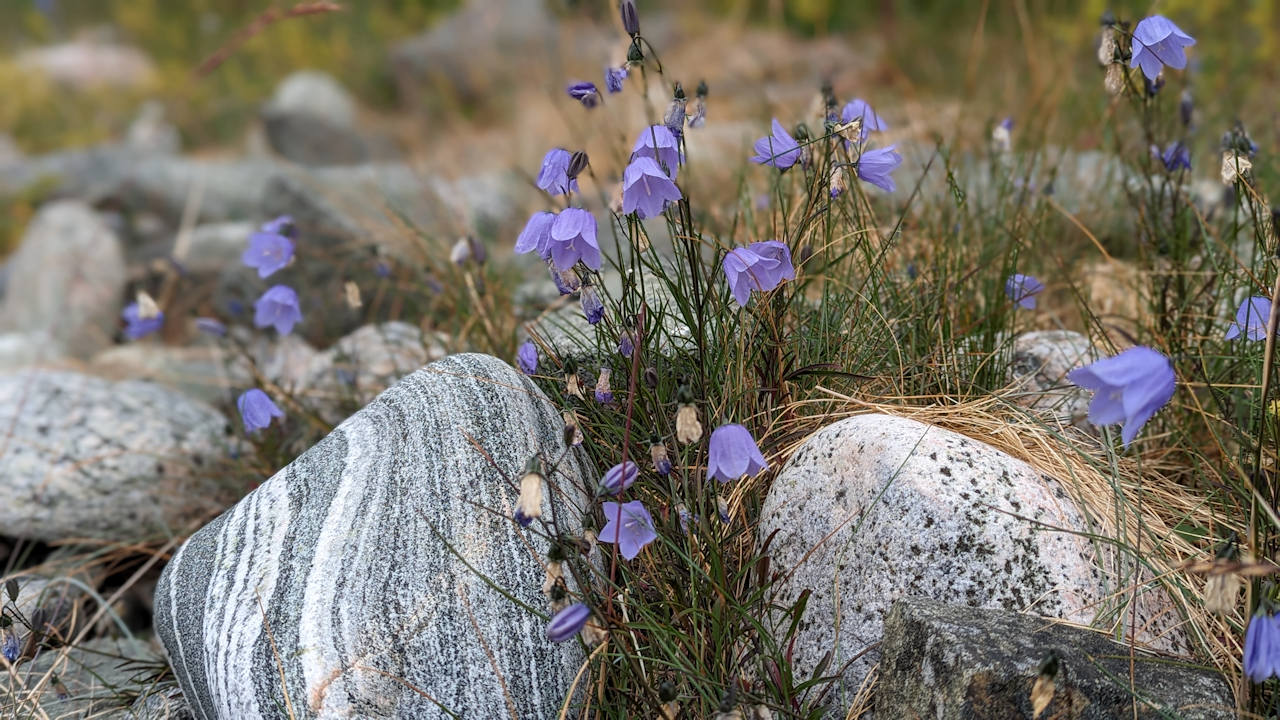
point(311, 120)
point(877, 507)
point(20, 349)
point(151, 131)
point(200, 372)
point(1041, 361)
point(89, 62)
point(468, 56)
point(950, 662)
point(86, 457)
point(213, 247)
point(66, 280)
point(364, 363)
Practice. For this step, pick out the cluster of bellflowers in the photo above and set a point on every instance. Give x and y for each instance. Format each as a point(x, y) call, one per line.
point(271, 249)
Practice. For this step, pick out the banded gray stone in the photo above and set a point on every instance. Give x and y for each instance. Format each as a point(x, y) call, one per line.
point(349, 584)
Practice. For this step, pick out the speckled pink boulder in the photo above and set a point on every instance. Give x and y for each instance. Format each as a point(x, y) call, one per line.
point(895, 507)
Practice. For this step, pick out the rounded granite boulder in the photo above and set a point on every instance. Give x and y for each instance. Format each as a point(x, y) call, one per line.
point(877, 507)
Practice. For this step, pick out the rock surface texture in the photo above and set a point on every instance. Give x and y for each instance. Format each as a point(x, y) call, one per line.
point(86, 457)
point(876, 507)
point(951, 662)
point(1041, 361)
point(66, 279)
point(361, 557)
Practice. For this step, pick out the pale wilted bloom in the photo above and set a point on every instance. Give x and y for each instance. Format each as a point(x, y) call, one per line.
point(573, 430)
point(1107, 45)
point(1002, 135)
point(147, 307)
point(1113, 79)
point(461, 251)
point(555, 576)
point(1220, 592)
point(658, 453)
point(837, 181)
point(1235, 167)
point(352, 291)
point(529, 505)
point(604, 394)
point(1045, 685)
point(688, 429)
point(573, 385)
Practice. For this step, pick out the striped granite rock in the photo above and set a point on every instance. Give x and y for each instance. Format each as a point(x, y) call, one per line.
point(348, 585)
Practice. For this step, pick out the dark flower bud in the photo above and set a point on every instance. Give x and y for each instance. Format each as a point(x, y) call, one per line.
point(635, 55)
point(1108, 19)
point(678, 92)
point(1152, 87)
point(630, 21)
point(667, 691)
point(578, 162)
point(801, 132)
point(651, 377)
point(1185, 108)
point(702, 88)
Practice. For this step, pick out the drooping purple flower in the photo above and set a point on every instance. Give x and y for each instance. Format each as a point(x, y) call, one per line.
point(527, 357)
point(10, 646)
point(1251, 319)
point(698, 118)
point(760, 266)
point(257, 410)
point(875, 167)
point(779, 150)
point(613, 77)
point(1262, 647)
point(858, 108)
point(1022, 290)
point(733, 453)
point(137, 326)
point(1128, 388)
point(211, 326)
point(586, 93)
point(629, 526)
point(657, 142)
point(567, 281)
point(646, 189)
point(626, 344)
point(268, 251)
point(1158, 42)
point(553, 177)
point(630, 21)
point(592, 307)
point(619, 478)
point(658, 454)
point(1175, 156)
point(282, 225)
point(674, 117)
point(573, 238)
point(536, 236)
point(568, 622)
point(604, 393)
point(277, 307)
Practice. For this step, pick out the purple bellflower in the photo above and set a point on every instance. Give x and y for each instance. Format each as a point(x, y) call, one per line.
point(573, 238)
point(779, 150)
point(619, 478)
point(1262, 646)
point(268, 251)
point(1158, 42)
point(875, 167)
point(10, 646)
point(257, 410)
point(657, 142)
point(1251, 319)
point(646, 189)
point(760, 266)
point(604, 394)
point(568, 622)
point(211, 326)
point(282, 225)
point(536, 236)
point(586, 93)
point(277, 307)
point(1128, 388)
point(626, 344)
point(553, 177)
point(613, 77)
point(733, 453)
point(527, 357)
point(1022, 290)
point(1175, 156)
point(858, 108)
point(137, 326)
point(567, 281)
point(629, 526)
point(592, 308)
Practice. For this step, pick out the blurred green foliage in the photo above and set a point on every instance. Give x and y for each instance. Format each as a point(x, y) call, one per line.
point(351, 44)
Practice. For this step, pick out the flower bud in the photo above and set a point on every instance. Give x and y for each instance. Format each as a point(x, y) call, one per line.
point(578, 162)
point(630, 21)
point(688, 429)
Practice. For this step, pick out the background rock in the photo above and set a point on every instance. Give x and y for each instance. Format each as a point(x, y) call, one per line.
point(311, 120)
point(66, 279)
point(366, 362)
point(1041, 361)
point(348, 555)
point(86, 457)
point(951, 662)
point(896, 507)
point(88, 62)
point(97, 674)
